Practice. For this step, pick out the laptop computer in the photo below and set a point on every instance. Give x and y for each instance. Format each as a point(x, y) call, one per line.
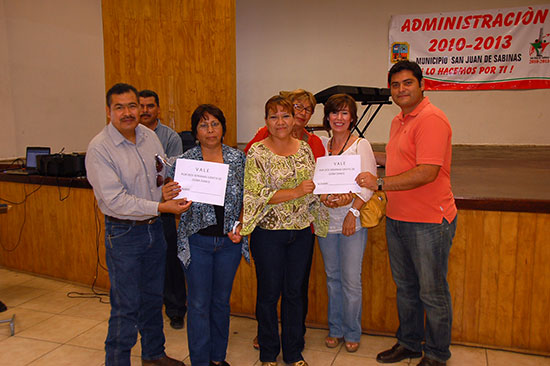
point(31, 163)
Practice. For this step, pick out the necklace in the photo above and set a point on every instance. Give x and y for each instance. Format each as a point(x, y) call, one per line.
point(341, 151)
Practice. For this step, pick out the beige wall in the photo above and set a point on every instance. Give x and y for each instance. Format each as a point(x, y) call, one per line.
point(7, 124)
point(315, 44)
point(52, 70)
point(52, 82)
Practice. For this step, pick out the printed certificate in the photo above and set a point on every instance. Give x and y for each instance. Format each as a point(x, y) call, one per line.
point(336, 174)
point(202, 181)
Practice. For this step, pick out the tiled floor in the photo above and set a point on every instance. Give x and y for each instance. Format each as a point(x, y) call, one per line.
point(53, 329)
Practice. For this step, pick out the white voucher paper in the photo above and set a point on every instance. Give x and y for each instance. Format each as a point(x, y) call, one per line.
point(336, 174)
point(202, 181)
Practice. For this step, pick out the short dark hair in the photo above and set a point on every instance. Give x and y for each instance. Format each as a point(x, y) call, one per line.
point(279, 100)
point(406, 65)
point(118, 89)
point(338, 102)
point(199, 114)
point(146, 93)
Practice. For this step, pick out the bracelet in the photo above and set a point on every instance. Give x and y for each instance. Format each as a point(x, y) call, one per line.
point(234, 230)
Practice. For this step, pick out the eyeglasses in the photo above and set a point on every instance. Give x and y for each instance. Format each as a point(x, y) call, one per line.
point(206, 125)
point(159, 164)
point(301, 108)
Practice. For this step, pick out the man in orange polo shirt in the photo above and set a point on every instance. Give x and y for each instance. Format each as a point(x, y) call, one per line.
point(421, 219)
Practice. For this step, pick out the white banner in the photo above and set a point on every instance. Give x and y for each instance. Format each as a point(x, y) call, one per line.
point(481, 49)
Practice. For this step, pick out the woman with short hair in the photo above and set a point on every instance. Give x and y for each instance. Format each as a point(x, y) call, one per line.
point(344, 245)
point(210, 243)
point(279, 208)
point(304, 104)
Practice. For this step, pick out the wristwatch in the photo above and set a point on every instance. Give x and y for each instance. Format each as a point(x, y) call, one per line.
point(380, 183)
point(354, 211)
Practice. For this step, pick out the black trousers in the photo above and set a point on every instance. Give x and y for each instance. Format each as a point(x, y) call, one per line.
point(175, 294)
point(281, 258)
point(305, 285)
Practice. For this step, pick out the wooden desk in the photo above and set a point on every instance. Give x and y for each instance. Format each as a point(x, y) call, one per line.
point(498, 268)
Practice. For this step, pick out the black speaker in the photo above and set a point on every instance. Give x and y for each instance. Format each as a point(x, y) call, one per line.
point(62, 165)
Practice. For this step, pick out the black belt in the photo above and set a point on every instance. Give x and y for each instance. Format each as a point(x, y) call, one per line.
point(148, 221)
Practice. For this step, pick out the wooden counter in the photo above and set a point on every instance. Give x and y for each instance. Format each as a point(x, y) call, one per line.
point(498, 275)
point(52, 230)
point(498, 269)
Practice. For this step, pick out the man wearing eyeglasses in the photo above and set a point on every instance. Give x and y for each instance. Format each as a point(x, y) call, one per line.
point(175, 296)
point(121, 167)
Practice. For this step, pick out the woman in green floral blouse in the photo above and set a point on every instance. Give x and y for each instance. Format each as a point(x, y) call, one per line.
point(279, 209)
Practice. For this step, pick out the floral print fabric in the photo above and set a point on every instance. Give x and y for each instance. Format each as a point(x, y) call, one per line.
point(265, 174)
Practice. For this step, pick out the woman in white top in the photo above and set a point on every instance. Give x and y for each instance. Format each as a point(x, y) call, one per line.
point(344, 245)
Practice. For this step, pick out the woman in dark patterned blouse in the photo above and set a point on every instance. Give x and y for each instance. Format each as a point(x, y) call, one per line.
point(208, 242)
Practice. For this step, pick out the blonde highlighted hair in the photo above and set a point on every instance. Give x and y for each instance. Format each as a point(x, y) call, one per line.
point(299, 95)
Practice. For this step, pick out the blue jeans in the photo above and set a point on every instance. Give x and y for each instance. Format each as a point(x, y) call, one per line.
point(419, 256)
point(281, 258)
point(343, 257)
point(214, 262)
point(135, 258)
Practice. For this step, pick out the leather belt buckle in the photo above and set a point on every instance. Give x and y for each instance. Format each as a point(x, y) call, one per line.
point(149, 221)
point(152, 220)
